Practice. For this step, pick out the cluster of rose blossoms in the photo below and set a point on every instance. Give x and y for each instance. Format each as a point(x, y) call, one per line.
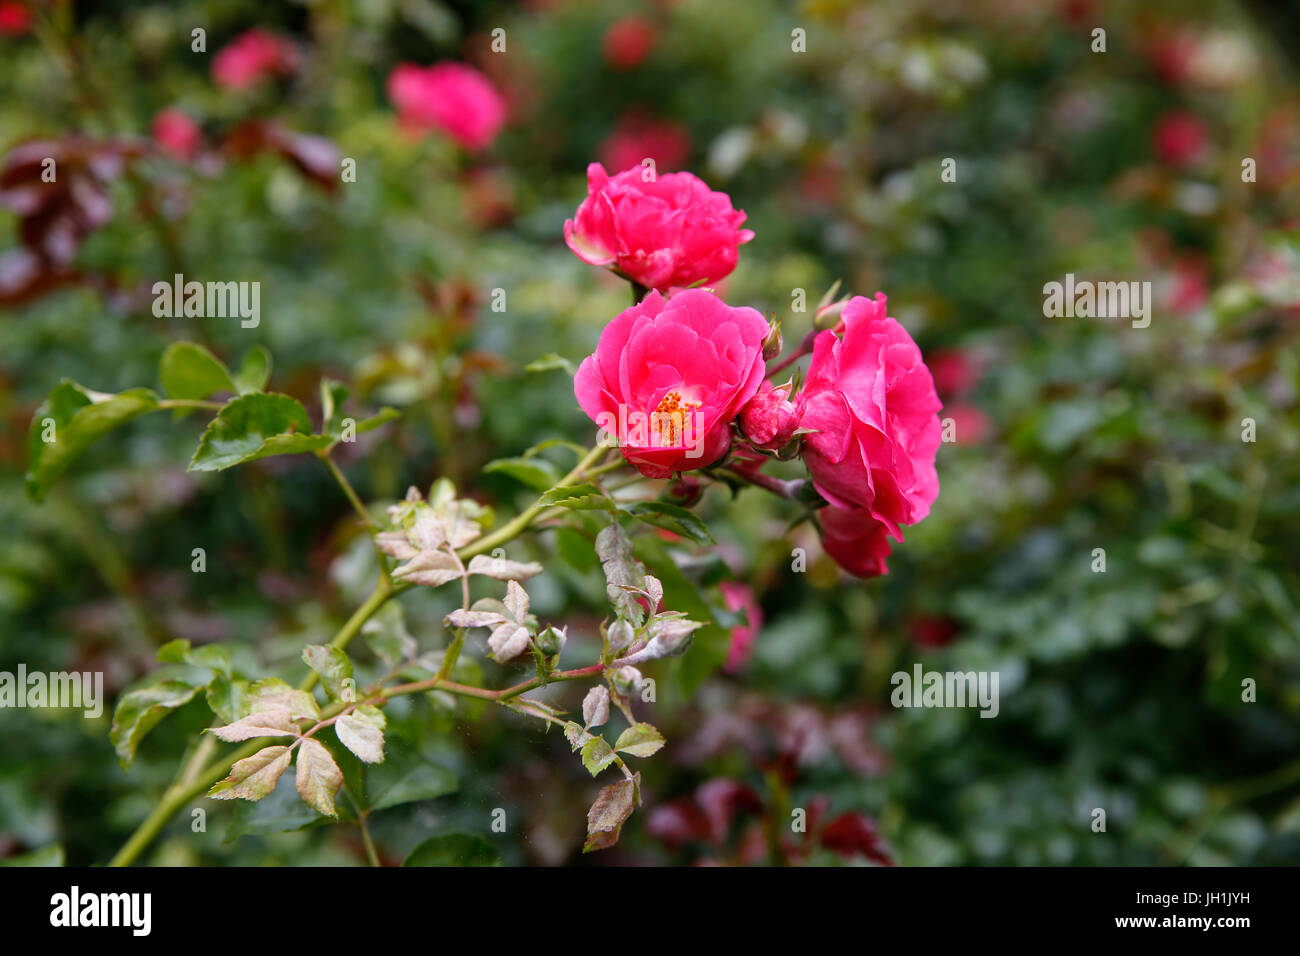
point(864, 421)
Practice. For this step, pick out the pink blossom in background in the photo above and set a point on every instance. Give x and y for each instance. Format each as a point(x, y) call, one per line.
point(452, 98)
point(177, 133)
point(15, 18)
point(692, 354)
point(871, 403)
point(638, 137)
point(1179, 138)
point(970, 425)
point(628, 42)
point(660, 230)
point(252, 56)
point(954, 371)
point(740, 597)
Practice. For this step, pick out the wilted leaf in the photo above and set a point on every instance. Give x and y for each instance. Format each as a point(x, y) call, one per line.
point(361, 734)
point(614, 804)
point(253, 777)
point(319, 777)
point(274, 694)
point(595, 706)
point(502, 569)
point(265, 723)
point(622, 570)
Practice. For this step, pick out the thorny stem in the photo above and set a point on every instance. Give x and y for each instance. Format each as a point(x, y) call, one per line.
point(191, 781)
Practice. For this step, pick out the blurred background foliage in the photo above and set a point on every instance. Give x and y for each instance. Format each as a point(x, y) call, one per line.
point(1119, 690)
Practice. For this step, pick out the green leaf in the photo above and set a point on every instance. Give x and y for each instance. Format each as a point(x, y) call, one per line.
point(319, 777)
point(670, 517)
point(550, 362)
point(253, 777)
point(639, 740)
point(362, 734)
point(140, 710)
point(190, 371)
point(596, 755)
point(454, 849)
point(334, 669)
point(381, 417)
point(534, 472)
point(407, 777)
point(256, 426)
point(214, 657)
point(254, 371)
point(227, 697)
point(79, 417)
point(584, 497)
point(332, 396)
point(614, 804)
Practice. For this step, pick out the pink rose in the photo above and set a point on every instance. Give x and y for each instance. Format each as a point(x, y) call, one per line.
point(669, 375)
point(740, 597)
point(251, 56)
point(175, 132)
point(769, 419)
point(450, 97)
point(639, 137)
point(661, 231)
point(628, 42)
point(857, 541)
point(871, 402)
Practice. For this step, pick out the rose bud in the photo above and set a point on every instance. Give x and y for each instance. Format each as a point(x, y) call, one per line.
point(773, 344)
point(620, 635)
point(552, 640)
point(627, 680)
point(769, 419)
point(685, 491)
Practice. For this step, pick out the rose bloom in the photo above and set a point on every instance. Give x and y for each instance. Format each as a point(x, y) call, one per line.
point(175, 132)
point(871, 404)
point(659, 230)
point(250, 57)
point(669, 375)
point(628, 42)
point(638, 137)
point(452, 98)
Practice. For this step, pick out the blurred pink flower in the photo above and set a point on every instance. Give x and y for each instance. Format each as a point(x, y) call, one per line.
point(252, 56)
point(15, 18)
point(177, 133)
point(628, 42)
point(740, 597)
point(1179, 138)
point(638, 137)
point(453, 98)
point(659, 230)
